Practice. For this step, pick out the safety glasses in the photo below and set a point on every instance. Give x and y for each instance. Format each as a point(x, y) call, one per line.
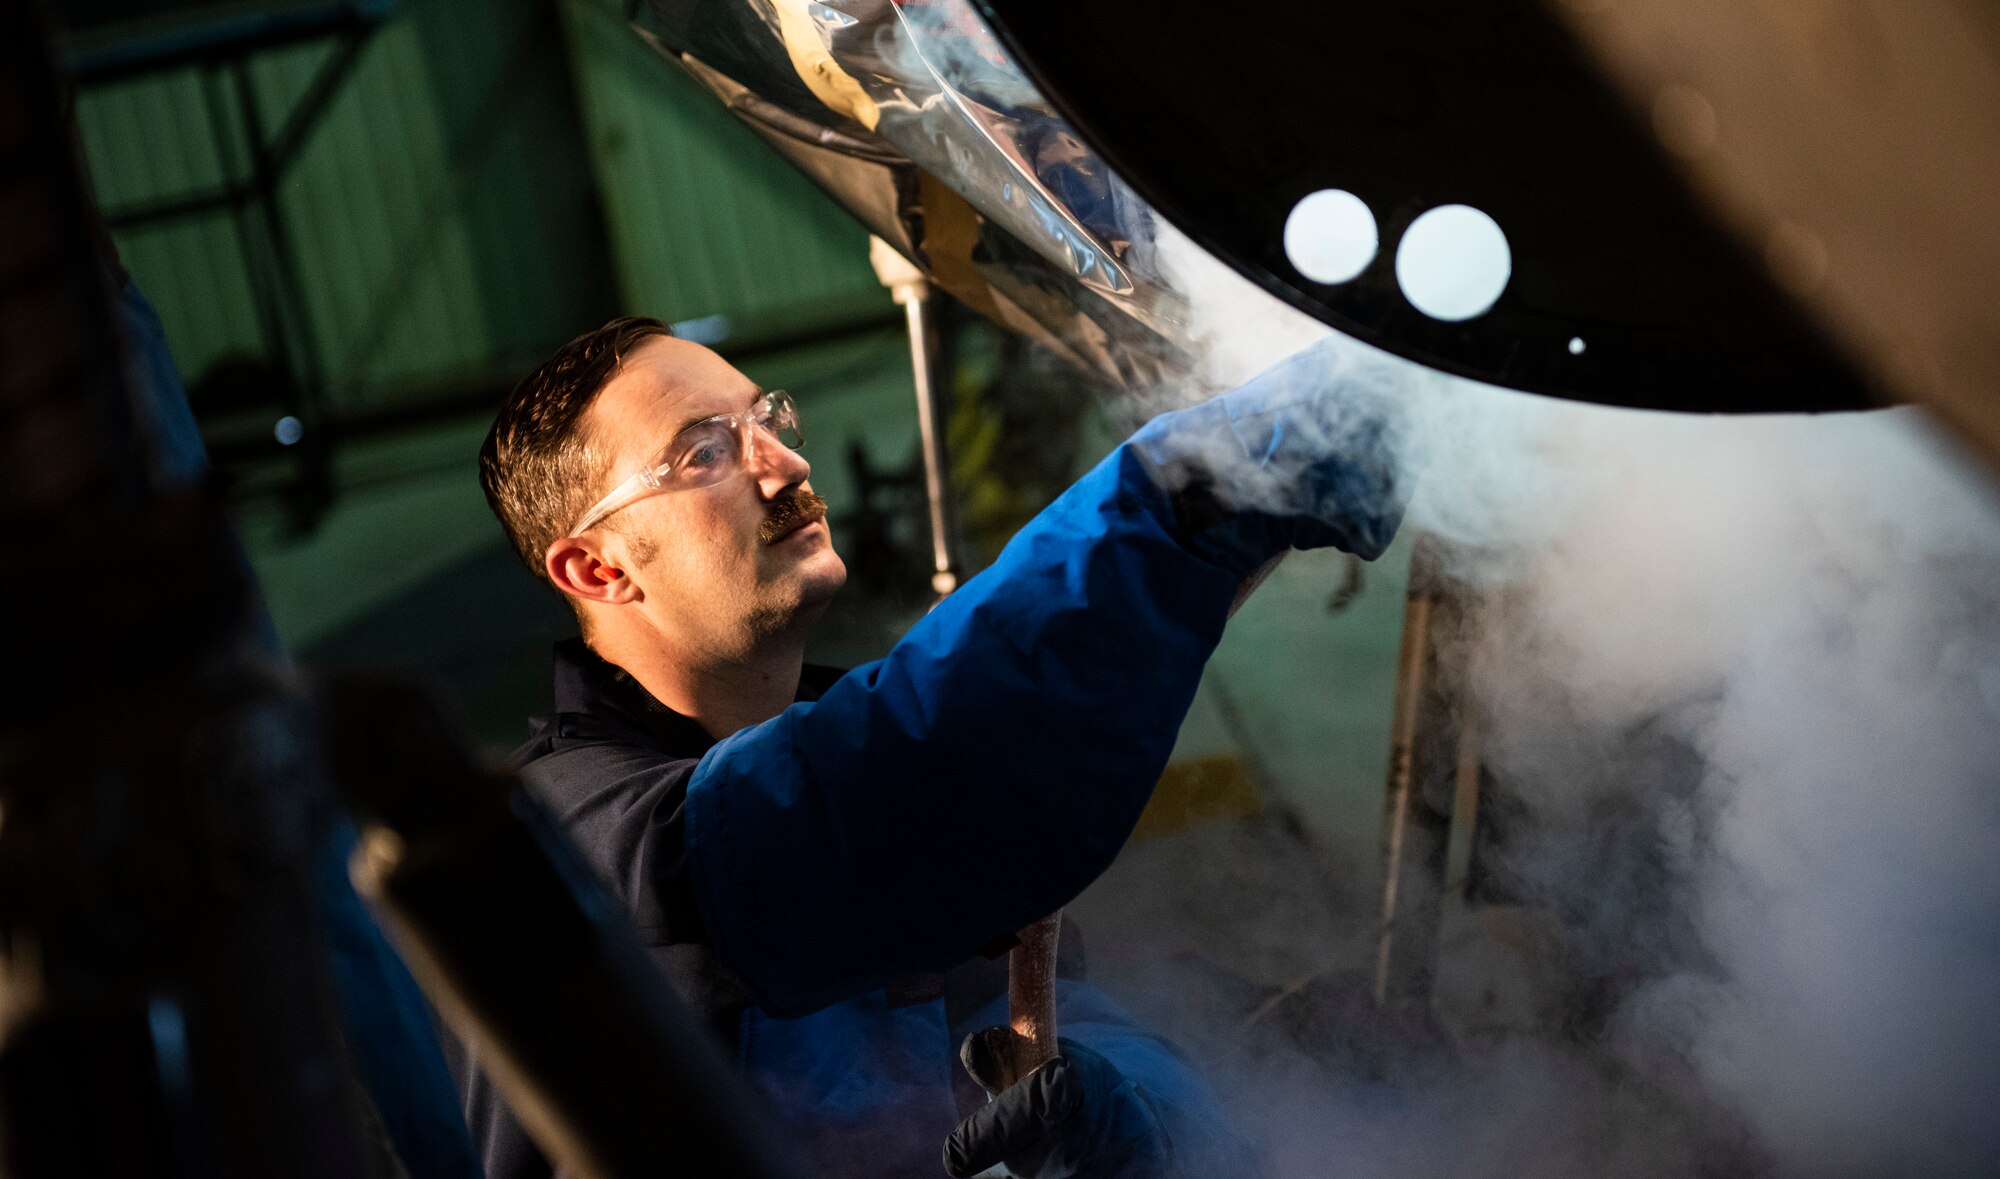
point(705, 453)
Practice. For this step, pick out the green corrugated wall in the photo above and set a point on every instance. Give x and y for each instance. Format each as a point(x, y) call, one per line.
point(492, 177)
point(151, 138)
point(704, 218)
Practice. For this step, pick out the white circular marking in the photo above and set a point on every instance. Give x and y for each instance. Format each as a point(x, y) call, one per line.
point(1330, 236)
point(1576, 346)
point(1453, 263)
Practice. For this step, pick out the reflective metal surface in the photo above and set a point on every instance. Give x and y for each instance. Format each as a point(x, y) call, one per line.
point(1036, 146)
point(913, 118)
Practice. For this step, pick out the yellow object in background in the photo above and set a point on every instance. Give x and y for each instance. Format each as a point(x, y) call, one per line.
point(1198, 790)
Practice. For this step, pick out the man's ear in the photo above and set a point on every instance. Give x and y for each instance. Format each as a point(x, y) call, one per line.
point(582, 570)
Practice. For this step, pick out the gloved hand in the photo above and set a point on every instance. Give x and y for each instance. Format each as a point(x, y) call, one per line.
point(1303, 455)
point(1076, 1117)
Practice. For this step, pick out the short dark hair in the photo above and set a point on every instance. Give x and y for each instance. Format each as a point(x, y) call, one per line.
point(538, 466)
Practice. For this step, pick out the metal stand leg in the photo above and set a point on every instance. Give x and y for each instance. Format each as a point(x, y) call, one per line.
point(913, 291)
point(1433, 772)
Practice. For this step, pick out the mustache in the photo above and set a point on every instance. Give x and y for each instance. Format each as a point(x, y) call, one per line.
point(790, 510)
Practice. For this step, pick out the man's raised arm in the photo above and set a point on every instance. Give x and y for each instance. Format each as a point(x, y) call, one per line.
point(992, 765)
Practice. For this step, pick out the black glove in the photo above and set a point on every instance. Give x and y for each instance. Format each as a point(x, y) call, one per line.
point(1076, 1117)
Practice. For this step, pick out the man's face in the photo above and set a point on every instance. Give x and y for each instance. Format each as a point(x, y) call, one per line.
point(712, 578)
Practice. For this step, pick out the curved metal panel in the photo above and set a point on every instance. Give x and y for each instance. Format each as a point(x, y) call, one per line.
point(1623, 289)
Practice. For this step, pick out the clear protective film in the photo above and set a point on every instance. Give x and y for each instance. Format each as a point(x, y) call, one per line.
point(914, 117)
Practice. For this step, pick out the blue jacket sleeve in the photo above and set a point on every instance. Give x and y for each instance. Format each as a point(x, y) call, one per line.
point(990, 767)
point(976, 778)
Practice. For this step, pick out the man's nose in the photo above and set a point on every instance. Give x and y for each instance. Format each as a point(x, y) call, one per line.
point(776, 466)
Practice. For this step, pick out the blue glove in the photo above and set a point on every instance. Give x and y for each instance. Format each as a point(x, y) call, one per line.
point(1304, 455)
point(1076, 1117)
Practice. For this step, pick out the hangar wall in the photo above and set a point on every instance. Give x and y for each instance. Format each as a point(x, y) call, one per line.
point(487, 180)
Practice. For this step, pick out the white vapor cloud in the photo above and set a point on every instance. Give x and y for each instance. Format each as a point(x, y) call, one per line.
point(1771, 648)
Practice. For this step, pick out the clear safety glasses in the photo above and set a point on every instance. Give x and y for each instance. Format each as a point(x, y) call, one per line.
point(705, 453)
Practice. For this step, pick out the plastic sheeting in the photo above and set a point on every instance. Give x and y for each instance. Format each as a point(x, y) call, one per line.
point(913, 117)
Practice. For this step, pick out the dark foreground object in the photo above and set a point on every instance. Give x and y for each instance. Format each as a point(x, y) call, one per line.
point(532, 964)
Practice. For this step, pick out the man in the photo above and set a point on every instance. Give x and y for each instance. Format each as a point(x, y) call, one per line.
point(818, 856)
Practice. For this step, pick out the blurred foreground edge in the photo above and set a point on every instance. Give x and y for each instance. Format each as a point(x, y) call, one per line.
point(527, 957)
point(165, 999)
point(166, 1002)
point(1854, 148)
